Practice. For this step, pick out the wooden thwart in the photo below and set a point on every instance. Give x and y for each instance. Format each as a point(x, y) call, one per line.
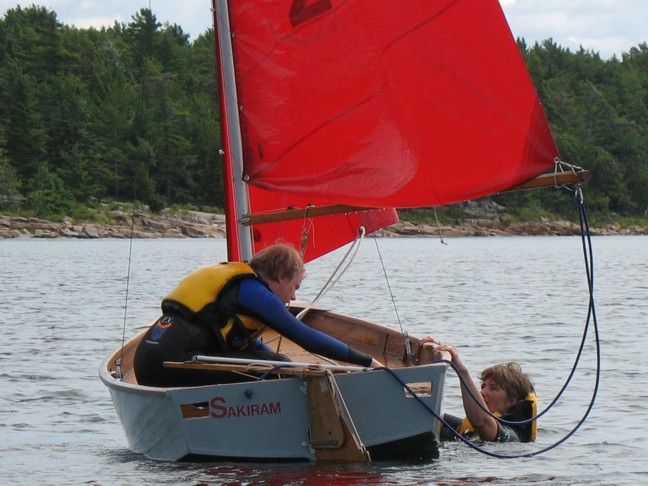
point(246, 369)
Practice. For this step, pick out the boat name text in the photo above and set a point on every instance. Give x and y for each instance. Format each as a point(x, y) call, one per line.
point(218, 409)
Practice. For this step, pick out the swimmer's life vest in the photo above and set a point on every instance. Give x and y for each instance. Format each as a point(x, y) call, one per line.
point(522, 410)
point(203, 297)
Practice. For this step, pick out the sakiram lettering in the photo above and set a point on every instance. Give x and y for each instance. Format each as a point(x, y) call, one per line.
point(218, 409)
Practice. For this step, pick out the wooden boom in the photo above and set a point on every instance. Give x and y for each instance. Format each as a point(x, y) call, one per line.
point(545, 180)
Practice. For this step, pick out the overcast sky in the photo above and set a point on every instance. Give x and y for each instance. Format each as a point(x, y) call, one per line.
point(605, 26)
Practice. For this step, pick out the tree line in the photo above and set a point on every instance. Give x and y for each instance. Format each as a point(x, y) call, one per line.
point(130, 113)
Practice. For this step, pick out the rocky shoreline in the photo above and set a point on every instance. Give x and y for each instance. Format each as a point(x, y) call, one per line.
point(197, 224)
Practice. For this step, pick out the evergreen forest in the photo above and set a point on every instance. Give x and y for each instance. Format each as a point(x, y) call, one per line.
point(130, 113)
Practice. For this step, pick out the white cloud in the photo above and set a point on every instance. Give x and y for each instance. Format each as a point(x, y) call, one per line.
point(194, 16)
point(85, 22)
point(605, 26)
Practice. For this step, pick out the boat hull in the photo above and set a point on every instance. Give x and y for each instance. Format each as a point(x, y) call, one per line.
point(316, 415)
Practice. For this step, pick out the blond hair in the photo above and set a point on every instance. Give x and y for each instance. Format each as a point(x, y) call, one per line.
point(278, 261)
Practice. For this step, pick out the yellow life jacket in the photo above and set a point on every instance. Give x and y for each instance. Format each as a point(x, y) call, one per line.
point(467, 428)
point(199, 293)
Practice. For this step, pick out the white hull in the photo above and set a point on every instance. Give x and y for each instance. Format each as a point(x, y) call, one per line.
point(360, 415)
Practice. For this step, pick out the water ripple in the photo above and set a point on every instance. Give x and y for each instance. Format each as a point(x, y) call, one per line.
point(498, 299)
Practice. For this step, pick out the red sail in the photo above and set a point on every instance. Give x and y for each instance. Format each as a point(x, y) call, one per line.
point(313, 236)
point(384, 103)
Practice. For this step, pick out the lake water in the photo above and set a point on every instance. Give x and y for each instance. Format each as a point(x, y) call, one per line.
point(67, 303)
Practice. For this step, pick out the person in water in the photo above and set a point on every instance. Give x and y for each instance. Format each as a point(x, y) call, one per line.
point(506, 391)
point(222, 310)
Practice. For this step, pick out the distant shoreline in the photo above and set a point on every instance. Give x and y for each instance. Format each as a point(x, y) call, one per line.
point(196, 224)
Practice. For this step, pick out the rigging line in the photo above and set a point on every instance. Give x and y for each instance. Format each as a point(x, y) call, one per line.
point(128, 272)
point(591, 316)
point(307, 225)
point(334, 278)
point(436, 217)
point(307, 228)
point(559, 166)
point(391, 294)
point(591, 319)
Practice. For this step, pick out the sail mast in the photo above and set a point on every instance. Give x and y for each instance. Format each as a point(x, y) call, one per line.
point(239, 237)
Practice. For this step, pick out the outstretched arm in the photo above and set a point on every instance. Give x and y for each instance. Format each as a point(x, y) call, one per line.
point(484, 424)
point(264, 303)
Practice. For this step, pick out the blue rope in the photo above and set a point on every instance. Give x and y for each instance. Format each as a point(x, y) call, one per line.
point(591, 320)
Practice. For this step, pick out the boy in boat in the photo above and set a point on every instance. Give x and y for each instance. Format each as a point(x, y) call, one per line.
point(222, 310)
point(506, 391)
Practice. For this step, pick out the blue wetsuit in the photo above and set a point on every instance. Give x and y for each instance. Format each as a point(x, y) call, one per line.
point(179, 335)
point(262, 302)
